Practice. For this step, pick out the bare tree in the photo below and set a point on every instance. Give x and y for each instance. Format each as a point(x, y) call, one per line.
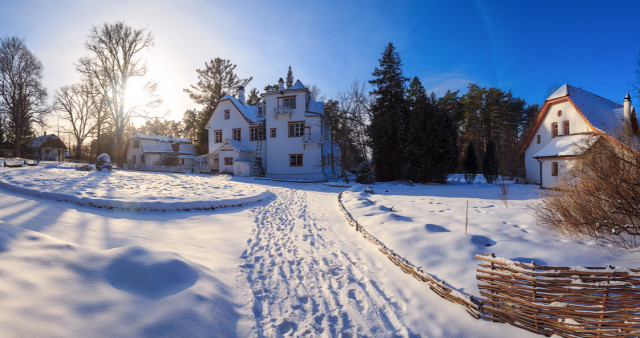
point(22, 96)
point(115, 58)
point(76, 104)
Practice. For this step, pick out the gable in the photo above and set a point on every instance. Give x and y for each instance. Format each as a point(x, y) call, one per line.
point(548, 113)
point(228, 102)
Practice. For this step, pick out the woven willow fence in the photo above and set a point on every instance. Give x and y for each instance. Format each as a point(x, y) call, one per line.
point(470, 303)
point(570, 302)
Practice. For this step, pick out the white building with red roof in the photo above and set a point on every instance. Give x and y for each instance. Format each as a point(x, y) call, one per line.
point(569, 123)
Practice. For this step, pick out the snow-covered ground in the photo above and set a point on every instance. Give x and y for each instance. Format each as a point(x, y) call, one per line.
point(129, 189)
point(426, 225)
point(287, 265)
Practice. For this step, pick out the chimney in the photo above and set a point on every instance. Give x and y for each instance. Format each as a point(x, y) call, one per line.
point(627, 108)
point(241, 94)
point(281, 84)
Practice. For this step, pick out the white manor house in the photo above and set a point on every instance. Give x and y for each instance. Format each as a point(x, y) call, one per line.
point(286, 135)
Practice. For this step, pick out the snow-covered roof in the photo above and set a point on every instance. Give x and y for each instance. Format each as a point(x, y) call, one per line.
point(164, 144)
point(161, 138)
point(600, 112)
point(572, 145)
point(298, 85)
point(250, 112)
point(50, 140)
point(230, 145)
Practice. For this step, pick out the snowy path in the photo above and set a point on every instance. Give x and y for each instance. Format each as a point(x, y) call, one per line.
point(303, 283)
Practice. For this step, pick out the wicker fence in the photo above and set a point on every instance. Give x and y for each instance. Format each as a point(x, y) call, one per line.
point(470, 303)
point(569, 302)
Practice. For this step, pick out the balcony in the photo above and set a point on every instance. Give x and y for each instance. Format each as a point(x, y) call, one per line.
point(312, 139)
point(282, 111)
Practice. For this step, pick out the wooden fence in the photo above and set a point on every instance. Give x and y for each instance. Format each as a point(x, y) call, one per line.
point(569, 302)
point(440, 287)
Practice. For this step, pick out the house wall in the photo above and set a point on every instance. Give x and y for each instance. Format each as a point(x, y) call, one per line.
point(280, 147)
point(550, 181)
point(577, 125)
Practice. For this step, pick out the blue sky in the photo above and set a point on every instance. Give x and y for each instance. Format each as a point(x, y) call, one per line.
point(523, 46)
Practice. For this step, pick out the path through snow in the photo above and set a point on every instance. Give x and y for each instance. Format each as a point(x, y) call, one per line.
point(301, 281)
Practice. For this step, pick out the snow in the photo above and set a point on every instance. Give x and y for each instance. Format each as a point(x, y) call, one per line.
point(425, 224)
point(288, 265)
point(572, 145)
point(161, 138)
point(129, 190)
point(249, 112)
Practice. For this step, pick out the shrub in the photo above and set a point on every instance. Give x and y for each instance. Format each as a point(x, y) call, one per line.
point(599, 198)
point(470, 163)
point(364, 173)
point(490, 163)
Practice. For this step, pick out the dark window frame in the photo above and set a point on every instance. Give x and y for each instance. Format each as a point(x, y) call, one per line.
point(296, 160)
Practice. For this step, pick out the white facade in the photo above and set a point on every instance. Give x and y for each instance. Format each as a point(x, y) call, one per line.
point(570, 121)
point(288, 131)
point(149, 152)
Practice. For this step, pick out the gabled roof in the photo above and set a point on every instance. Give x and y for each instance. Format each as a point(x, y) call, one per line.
point(600, 114)
point(164, 144)
point(50, 141)
point(161, 138)
point(249, 113)
point(572, 145)
point(231, 145)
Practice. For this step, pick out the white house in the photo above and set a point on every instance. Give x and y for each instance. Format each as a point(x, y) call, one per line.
point(287, 136)
point(148, 152)
point(48, 147)
point(569, 123)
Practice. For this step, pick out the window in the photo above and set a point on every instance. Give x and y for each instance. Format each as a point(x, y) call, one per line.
point(228, 161)
point(133, 159)
point(236, 134)
point(260, 110)
point(554, 168)
point(565, 128)
point(136, 144)
point(257, 133)
point(559, 113)
point(538, 139)
point(554, 129)
point(182, 161)
point(217, 136)
point(288, 102)
point(296, 129)
point(273, 132)
point(227, 115)
point(142, 159)
point(295, 160)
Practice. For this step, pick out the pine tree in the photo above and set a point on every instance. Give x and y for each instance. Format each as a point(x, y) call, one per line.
point(388, 129)
point(289, 82)
point(490, 163)
point(470, 163)
point(254, 97)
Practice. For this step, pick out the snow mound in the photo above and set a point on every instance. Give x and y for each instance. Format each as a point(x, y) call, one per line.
point(153, 275)
point(129, 190)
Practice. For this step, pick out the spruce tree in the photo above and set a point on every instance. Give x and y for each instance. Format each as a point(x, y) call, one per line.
point(388, 129)
point(470, 163)
point(289, 82)
point(419, 161)
point(490, 163)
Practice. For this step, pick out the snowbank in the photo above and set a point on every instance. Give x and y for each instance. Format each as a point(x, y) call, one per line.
point(425, 224)
point(57, 289)
point(130, 190)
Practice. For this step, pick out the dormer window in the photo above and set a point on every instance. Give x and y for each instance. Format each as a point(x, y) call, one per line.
point(559, 113)
point(260, 110)
point(227, 114)
point(554, 130)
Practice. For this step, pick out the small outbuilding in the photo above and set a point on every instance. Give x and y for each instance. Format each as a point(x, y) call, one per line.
point(48, 148)
point(152, 152)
